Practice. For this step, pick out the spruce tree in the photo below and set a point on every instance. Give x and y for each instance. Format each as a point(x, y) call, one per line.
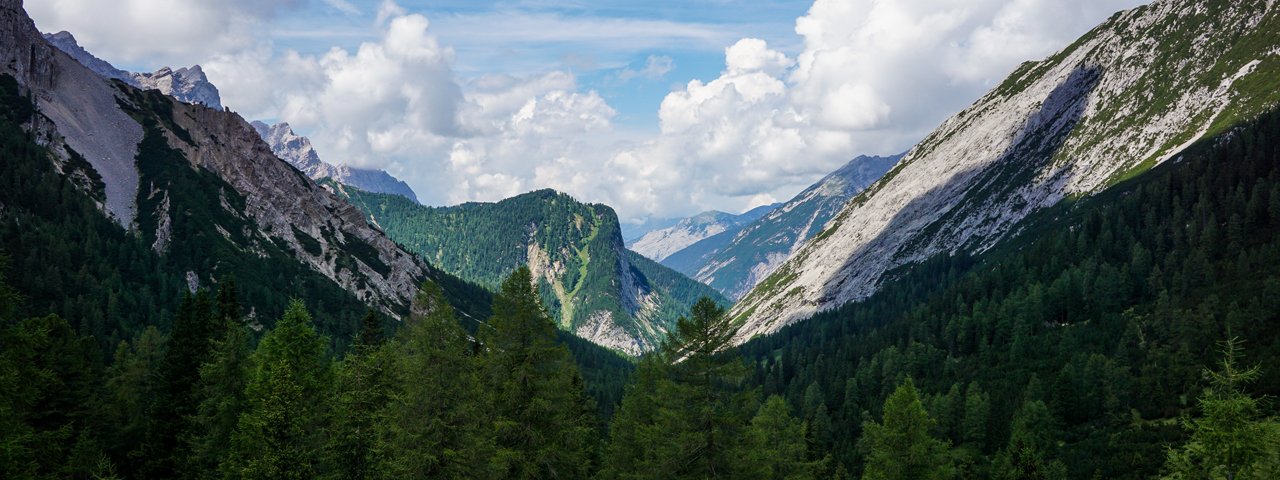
point(436, 422)
point(194, 328)
point(900, 447)
point(1233, 439)
point(279, 435)
point(1027, 455)
point(542, 431)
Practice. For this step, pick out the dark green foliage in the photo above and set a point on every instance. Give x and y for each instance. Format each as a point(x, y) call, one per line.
point(546, 428)
point(436, 422)
point(688, 416)
point(280, 433)
point(220, 393)
point(1103, 308)
point(50, 392)
point(1232, 438)
point(900, 447)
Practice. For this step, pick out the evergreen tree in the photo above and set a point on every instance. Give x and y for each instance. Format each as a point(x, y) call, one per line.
point(49, 400)
point(194, 328)
point(131, 393)
point(774, 446)
point(221, 395)
point(900, 447)
point(1233, 439)
point(542, 431)
point(436, 422)
point(279, 435)
point(706, 408)
point(1032, 439)
point(635, 440)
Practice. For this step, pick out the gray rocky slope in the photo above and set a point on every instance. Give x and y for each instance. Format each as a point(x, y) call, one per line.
point(1130, 94)
point(85, 113)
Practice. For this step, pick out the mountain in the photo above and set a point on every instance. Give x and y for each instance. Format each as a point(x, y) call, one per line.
point(198, 186)
point(661, 243)
point(736, 260)
point(188, 85)
point(592, 285)
point(297, 150)
point(1131, 94)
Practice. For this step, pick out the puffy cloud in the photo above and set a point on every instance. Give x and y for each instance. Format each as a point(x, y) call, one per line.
point(869, 76)
point(159, 31)
point(396, 103)
point(873, 76)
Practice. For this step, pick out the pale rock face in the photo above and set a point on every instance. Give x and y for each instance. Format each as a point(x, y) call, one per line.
point(188, 85)
point(80, 105)
point(1070, 125)
point(297, 150)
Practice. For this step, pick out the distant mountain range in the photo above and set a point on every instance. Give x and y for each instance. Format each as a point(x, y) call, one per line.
point(738, 257)
point(658, 244)
point(297, 150)
point(188, 85)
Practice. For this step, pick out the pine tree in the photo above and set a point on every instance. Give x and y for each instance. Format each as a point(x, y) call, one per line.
point(436, 422)
point(49, 401)
point(537, 401)
point(279, 436)
point(1233, 439)
point(194, 328)
point(900, 447)
point(132, 390)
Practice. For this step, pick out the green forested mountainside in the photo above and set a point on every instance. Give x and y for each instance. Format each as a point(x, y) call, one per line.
point(66, 258)
point(1102, 312)
point(579, 271)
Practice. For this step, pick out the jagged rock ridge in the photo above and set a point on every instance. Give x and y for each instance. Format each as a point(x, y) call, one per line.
point(1130, 94)
point(297, 150)
point(188, 84)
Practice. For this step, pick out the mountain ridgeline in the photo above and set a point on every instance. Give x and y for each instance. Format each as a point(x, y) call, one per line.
point(592, 285)
point(1131, 94)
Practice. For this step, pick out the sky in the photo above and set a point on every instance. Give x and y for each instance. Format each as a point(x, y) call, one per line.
point(657, 108)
